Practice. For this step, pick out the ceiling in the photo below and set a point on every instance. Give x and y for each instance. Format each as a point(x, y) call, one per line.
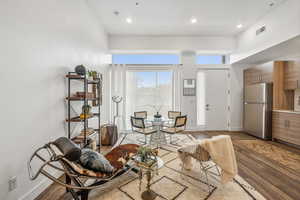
point(287, 50)
point(172, 17)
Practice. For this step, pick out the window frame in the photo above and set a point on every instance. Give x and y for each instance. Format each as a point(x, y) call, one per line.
point(143, 68)
point(223, 56)
point(156, 68)
point(178, 55)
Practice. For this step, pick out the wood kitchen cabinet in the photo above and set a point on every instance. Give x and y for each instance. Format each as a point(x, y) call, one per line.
point(282, 99)
point(251, 76)
point(292, 75)
point(286, 127)
point(259, 74)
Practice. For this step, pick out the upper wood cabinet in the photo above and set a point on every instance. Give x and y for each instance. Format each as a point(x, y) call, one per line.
point(259, 74)
point(282, 99)
point(292, 75)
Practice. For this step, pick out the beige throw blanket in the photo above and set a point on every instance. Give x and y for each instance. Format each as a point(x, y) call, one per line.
point(221, 151)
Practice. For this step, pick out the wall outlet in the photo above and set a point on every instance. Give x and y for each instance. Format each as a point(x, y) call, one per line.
point(12, 183)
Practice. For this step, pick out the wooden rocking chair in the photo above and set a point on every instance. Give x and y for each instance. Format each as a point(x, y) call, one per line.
point(64, 152)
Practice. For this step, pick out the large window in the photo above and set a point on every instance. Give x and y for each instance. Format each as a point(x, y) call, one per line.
point(210, 59)
point(150, 91)
point(145, 59)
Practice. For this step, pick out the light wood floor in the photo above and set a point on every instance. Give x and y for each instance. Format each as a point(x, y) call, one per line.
point(272, 179)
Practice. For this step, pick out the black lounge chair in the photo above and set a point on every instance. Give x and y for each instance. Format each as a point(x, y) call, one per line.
point(64, 152)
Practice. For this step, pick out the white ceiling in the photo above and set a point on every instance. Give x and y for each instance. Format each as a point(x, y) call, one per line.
point(287, 50)
point(172, 17)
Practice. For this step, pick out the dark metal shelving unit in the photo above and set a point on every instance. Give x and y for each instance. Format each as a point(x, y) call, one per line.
point(83, 78)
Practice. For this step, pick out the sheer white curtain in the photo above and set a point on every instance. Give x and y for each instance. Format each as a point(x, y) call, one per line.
point(117, 77)
point(149, 90)
point(145, 88)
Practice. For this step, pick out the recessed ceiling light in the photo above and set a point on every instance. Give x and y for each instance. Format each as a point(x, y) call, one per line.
point(128, 20)
point(193, 20)
point(239, 26)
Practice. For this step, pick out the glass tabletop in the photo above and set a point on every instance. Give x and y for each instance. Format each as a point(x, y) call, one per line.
point(160, 121)
point(159, 163)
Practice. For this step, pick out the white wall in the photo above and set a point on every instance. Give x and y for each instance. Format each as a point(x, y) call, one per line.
point(236, 97)
point(189, 103)
point(40, 42)
point(171, 43)
point(190, 46)
point(281, 24)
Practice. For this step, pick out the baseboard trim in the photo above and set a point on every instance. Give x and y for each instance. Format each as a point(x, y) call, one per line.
point(39, 188)
point(235, 129)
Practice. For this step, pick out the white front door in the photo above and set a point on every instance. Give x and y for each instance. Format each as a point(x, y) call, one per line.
point(215, 96)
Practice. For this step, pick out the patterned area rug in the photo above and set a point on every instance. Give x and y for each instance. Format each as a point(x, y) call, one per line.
point(272, 152)
point(173, 184)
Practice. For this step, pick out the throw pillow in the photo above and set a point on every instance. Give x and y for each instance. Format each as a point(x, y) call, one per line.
point(95, 161)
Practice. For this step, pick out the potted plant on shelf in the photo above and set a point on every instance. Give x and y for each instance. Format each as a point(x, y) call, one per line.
point(93, 75)
point(86, 112)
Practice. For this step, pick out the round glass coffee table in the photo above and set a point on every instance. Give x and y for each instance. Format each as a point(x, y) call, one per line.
point(148, 169)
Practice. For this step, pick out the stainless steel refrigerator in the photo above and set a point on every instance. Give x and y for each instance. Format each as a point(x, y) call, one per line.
point(258, 103)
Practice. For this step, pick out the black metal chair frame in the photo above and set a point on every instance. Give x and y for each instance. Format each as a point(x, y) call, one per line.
point(175, 126)
point(133, 126)
point(147, 123)
point(202, 161)
point(169, 114)
point(136, 113)
point(73, 183)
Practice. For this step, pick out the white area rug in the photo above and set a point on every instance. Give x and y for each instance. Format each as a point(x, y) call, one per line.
point(173, 184)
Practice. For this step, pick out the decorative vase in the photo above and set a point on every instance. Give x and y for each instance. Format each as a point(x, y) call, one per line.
point(80, 70)
point(95, 76)
point(86, 109)
point(157, 117)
